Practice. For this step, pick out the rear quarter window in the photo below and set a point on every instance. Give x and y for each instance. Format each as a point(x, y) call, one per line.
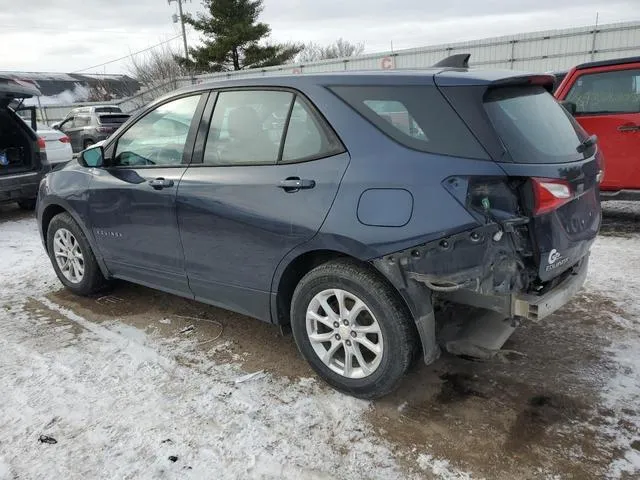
point(417, 117)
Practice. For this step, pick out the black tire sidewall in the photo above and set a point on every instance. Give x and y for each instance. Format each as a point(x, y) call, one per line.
point(387, 315)
point(92, 271)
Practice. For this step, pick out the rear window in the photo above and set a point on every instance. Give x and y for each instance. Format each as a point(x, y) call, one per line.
point(533, 127)
point(418, 117)
point(113, 119)
point(108, 110)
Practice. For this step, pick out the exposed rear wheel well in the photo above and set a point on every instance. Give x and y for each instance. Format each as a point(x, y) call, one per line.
point(49, 212)
point(294, 273)
point(303, 265)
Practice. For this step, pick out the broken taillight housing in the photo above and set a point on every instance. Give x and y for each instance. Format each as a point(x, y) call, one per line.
point(550, 194)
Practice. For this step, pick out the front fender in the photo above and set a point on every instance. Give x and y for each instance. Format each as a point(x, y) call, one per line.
point(67, 190)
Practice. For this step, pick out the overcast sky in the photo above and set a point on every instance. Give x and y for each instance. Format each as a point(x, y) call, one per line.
point(72, 35)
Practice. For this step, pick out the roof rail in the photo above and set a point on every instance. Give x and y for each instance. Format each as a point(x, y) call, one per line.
point(460, 60)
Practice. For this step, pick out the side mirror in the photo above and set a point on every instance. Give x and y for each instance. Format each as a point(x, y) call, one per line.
point(92, 157)
point(569, 107)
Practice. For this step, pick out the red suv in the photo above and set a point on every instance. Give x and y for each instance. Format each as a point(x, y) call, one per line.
point(605, 99)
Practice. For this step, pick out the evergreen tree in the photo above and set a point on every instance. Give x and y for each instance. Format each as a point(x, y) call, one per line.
point(232, 38)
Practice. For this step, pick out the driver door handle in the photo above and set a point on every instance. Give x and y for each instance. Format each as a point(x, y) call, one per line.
point(160, 183)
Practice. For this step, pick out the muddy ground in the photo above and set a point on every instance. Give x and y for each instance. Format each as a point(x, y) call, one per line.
point(529, 412)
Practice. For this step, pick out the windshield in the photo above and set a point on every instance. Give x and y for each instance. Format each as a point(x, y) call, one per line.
point(533, 127)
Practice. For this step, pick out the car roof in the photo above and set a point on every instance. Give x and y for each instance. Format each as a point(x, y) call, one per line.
point(445, 76)
point(607, 63)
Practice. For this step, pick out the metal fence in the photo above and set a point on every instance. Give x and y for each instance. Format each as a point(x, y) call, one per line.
point(553, 50)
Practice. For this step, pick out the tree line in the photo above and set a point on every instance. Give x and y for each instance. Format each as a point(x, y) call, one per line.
point(232, 38)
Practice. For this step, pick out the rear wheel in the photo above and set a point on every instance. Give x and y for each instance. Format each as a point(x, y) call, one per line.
point(72, 257)
point(352, 328)
point(87, 144)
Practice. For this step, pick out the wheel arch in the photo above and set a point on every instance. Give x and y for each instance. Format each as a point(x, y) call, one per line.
point(415, 297)
point(302, 264)
point(54, 208)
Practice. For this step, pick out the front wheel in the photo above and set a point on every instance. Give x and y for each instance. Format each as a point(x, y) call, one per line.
point(72, 257)
point(353, 328)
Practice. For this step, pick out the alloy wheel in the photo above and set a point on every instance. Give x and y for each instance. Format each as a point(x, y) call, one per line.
point(344, 333)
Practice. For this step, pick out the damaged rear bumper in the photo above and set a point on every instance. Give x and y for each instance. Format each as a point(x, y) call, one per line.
point(525, 305)
point(535, 307)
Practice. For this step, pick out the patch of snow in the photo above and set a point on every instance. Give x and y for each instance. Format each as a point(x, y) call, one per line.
point(442, 469)
point(5, 473)
point(613, 271)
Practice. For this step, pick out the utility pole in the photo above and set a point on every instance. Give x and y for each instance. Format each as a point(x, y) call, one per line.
point(184, 33)
point(595, 34)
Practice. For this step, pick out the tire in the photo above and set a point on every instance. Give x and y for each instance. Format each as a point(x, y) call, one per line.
point(87, 143)
point(29, 204)
point(386, 313)
point(91, 281)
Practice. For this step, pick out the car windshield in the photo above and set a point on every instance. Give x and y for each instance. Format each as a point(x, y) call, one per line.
point(533, 127)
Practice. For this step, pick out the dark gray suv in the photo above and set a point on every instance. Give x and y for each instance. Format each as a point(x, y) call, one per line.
point(347, 206)
point(86, 128)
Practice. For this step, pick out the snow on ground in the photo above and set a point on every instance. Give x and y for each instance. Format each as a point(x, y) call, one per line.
point(615, 272)
point(119, 404)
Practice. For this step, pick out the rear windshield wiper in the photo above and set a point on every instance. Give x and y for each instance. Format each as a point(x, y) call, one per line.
point(587, 143)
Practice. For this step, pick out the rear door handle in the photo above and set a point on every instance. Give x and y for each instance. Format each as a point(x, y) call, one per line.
point(293, 184)
point(629, 127)
point(160, 183)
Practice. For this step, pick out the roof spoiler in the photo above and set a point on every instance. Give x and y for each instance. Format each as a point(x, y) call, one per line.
point(460, 60)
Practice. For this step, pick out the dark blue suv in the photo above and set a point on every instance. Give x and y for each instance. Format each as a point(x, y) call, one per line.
point(349, 206)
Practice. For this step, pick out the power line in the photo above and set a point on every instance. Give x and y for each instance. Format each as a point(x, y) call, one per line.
point(66, 29)
point(127, 56)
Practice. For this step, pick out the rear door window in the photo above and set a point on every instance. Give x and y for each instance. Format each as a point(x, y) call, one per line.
point(247, 127)
point(533, 127)
point(606, 92)
point(418, 117)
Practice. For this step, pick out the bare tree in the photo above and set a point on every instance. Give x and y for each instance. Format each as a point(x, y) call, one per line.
point(158, 69)
point(341, 48)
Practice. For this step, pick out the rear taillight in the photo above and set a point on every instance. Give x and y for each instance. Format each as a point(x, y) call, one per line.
point(65, 139)
point(42, 143)
point(550, 194)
